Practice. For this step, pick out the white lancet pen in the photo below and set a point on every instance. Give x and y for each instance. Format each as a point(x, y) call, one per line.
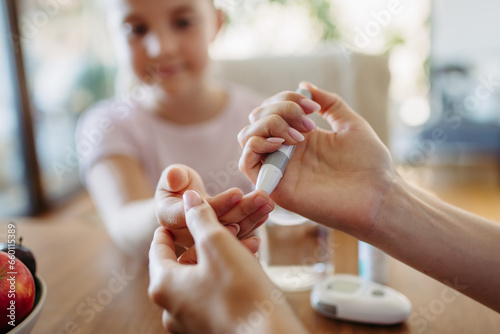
point(275, 163)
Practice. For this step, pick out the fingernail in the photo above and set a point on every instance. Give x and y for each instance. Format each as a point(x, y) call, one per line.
point(234, 229)
point(308, 123)
point(295, 134)
point(275, 140)
point(309, 105)
point(255, 241)
point(260, 201)
point(235, 199)
point(191, 199)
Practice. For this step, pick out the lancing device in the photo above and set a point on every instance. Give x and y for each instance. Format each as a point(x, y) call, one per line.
point(275, 163)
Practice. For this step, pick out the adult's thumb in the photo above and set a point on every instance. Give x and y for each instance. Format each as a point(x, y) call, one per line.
point(333, 107)
point(201, 219)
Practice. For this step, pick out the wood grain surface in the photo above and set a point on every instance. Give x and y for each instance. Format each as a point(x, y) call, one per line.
point(93, 288)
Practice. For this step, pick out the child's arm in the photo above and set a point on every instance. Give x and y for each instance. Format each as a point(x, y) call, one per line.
point(122, 195)
point(119, 188)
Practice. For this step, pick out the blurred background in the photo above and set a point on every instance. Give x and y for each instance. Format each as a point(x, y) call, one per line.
point(56, 60)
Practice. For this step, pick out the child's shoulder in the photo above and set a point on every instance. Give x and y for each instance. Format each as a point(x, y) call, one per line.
point(113, 110)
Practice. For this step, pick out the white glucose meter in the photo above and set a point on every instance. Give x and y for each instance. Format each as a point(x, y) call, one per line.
point(349, 297)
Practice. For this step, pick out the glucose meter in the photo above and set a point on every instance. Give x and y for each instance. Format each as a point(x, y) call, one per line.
point(349, 297)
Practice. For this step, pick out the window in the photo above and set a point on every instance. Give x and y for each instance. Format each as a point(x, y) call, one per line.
point(65, 74)
point(60, 63)
point(13, 186)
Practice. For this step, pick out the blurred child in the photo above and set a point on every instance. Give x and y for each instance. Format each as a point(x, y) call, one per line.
point(175, 114)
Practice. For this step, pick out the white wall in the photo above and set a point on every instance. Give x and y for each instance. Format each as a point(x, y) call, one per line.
point(465, 30)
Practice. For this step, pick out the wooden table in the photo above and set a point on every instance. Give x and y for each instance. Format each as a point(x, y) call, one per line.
point(93, 288)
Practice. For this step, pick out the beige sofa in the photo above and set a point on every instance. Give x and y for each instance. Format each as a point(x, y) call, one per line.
point(362, 80)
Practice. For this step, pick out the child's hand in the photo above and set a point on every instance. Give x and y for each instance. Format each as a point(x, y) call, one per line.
point(226, 285)
point(231, 207)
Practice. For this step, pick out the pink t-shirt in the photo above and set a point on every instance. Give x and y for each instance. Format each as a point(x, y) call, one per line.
point(116, 127)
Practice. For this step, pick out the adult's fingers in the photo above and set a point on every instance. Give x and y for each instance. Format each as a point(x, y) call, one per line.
point(203, 224)
point(162, 248)
point(189, 256)
point(272, 126)
point(305, 103)
point(333, 107)
point(293, 113)
point(162, 262)
point(171, 324)
point(253, 153)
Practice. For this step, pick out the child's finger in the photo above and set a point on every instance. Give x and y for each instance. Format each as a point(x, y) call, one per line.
point(252, 222)
point(169, 207)
point(252, 207)
point(213, 242)
point(188, 257)
point(182, 236)
point(177, 178)
point(252, 244)
point(225, 201)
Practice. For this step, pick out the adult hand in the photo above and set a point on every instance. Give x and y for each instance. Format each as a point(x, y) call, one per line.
point(245, 213)
point(220, 292)
point(338, 177)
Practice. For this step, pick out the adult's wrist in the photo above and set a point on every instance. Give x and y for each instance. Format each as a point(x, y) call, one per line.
point(392, 209)
point(269, 314)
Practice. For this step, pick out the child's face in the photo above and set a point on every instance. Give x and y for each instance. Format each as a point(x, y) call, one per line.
point(167, 39)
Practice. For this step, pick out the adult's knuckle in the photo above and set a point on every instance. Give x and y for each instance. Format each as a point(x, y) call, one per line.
point(286, 95)
point(243, 135)
point(242, 166)
point(211, 238)
point(155, 291)
point(255, 114)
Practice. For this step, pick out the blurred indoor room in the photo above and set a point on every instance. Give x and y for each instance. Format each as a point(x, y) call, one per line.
point(424, 74)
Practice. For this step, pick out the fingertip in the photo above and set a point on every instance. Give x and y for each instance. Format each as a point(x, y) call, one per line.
point(176, 178)
point(233, 228)
point(295, 135)
point(309, 106)
point(262, 193)
point(236, 195)
point(252, 244)
point(191, 199)
point(161, 230)
point(307, 85)
point(308, 123)
point(188, 257)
